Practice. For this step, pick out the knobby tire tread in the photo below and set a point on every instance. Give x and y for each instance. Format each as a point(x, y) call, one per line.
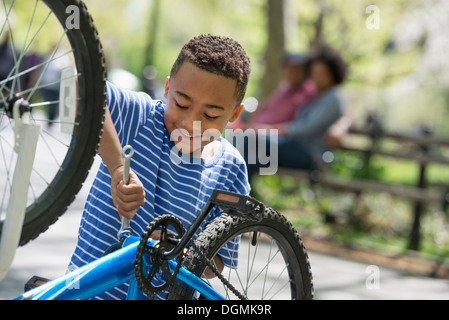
point(217, 233)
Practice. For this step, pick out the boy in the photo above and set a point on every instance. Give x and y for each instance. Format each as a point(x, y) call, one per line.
point(204, 92)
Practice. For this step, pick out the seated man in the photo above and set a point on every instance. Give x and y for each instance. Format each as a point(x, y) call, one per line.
point(292, 94)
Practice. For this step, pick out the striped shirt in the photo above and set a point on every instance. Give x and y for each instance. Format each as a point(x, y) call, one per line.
point(172, 184)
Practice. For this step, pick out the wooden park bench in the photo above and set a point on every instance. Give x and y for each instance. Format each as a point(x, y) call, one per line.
point(423, 149)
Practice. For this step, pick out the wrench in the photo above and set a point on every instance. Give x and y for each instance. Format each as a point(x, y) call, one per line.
point(127, 153)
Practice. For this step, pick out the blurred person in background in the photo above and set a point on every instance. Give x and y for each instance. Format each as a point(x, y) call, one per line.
point(292, 94)
point(7, 54)
point(320, 124)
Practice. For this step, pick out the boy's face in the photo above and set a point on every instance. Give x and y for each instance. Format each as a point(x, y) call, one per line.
point(199, 105)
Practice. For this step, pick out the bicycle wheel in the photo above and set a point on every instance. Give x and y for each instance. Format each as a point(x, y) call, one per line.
point(272, 264)
point(52, 58)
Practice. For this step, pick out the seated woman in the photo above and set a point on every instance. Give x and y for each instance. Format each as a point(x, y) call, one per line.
point(302, 141)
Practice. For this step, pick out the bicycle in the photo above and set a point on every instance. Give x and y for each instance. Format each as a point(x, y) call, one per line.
point(175, 264)
point(154, 266)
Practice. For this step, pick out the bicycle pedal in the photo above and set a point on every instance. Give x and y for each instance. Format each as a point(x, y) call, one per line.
point(35, 282)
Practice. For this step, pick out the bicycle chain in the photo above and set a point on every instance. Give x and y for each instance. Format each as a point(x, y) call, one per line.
point(159, 267)
point(218, 273)
point(150, 290)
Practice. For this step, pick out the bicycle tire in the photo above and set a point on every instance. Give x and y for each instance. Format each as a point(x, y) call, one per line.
point(278, 230)
point(75, 162)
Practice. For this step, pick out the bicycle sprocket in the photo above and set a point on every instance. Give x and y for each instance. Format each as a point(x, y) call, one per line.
point(157, 276)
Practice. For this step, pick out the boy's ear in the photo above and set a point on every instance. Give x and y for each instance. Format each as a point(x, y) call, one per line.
point(167, 86)
point(237, 112)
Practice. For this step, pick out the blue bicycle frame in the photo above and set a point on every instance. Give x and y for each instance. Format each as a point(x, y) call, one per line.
point(106, 273)
point(117, 267)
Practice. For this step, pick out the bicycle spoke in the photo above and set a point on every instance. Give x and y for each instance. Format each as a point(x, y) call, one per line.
point(46, 66)
point(52, 136)
point(266, 270)
point(287, 282)
point(46, 62)
point(8, 179)
point(3, 201)
point(34, 88)
point(7, 166)
point(237, 274)
point(254, 256)
point(7, 16)
point(41, 104)
point(33, 192)
point(276, 282)
point(14, 73)
point(11, 41)
point(29, 26)
point(38, 46)
point(49, 149)
point(7, 123)
point(264, 280)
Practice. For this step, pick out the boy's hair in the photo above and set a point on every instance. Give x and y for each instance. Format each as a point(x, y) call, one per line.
point(219, 55)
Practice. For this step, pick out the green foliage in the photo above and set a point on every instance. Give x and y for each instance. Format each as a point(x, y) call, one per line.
point(126, 35)
point(28, 19)
point(354, 166)
point(125, 30)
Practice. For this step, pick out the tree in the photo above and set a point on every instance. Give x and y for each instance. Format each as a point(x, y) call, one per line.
point(154, 14)
point(275, 47)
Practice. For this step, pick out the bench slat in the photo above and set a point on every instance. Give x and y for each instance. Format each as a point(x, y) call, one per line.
point(409, 192)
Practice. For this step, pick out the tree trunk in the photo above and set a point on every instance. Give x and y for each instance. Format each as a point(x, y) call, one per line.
point(152, 33)
point(275, 48)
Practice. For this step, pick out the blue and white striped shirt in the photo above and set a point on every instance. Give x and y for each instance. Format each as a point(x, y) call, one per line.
point(173, 187)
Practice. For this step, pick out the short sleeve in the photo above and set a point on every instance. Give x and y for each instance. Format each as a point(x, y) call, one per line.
point(129, 111)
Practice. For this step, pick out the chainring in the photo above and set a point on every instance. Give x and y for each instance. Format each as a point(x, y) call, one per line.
point(157, 276)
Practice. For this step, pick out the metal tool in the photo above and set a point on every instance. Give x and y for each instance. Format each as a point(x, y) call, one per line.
point(127, 153)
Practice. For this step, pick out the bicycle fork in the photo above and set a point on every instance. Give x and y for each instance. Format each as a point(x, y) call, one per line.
point(26, 137)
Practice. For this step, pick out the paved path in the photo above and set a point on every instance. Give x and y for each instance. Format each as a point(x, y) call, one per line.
point(334, 278)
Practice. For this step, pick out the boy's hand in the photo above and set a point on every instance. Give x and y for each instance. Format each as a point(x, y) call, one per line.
point(127, 198)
